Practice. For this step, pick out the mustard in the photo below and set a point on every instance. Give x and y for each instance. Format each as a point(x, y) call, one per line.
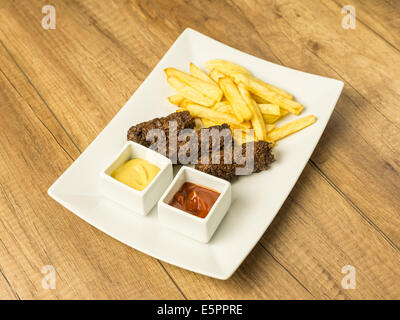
point(136, 173)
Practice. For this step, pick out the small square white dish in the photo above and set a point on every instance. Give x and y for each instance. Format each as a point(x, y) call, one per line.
point(138, 201)
point(201, 229)
point(256, 199)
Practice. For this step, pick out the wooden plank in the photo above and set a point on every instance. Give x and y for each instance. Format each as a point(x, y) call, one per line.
point(35, 231)
point(349, 138)
point(259, 277)
point(84, 72)
point(362, 139)
point(313, 240)
point(316, 236)
point(66, 111)
point(361, 143)
point(6, 291)
point(66, 72)
point(380, 16)
point(364, 60)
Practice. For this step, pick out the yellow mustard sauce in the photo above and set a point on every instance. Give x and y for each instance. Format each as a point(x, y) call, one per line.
point(136, 173)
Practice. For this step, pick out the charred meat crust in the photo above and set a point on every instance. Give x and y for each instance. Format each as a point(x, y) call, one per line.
point(140, 132)
point(223, 169)
point(210, 134)
point(263, 157)
point(211, 149)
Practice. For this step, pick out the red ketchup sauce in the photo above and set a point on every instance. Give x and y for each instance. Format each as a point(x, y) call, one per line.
point(194, 199)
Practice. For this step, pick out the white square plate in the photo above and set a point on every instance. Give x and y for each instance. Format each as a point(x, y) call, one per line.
point(256, 199)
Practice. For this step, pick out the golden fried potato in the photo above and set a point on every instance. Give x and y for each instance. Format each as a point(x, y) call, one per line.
point(242, 136)
point(291, 127)
point(269, 127)
point(257, 120)
point(208, 123)
point(258, 99)
point(232, 94)
point(176, 99)
point(271, 112)
point(238, 77)
point(232, 69)
point(225, 67)
point(270, 119)
point(198, 111)
point(208, 89)
point(216, 75)
point(271, 109)
point(200, 74)
point(189, 93)
point(185, 102)
point(260, 90)
point(223, 106)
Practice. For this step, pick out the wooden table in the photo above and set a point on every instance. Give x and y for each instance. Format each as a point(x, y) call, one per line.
point(59, 88)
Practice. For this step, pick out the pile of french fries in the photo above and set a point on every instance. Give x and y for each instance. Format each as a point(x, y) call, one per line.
point(231, 94)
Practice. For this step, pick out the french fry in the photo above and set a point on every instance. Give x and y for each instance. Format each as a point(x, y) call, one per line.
point(198, 124)
point(270, 119)
point(257, 119)
point(190, 93)
point(262, 101)
point(176, 99)
point(243, 125)
point(208, 123)
point(271, 112)
point(271, 96)
point(232, 94)
point(185, 102)
point(225, 67)
point(216, 75)
point(243, 136)
point(232, 69)
point(269, 127)
point(291, 127)
point(284, 112)
point(210, 90)
point(271, 109)
point(223, 106)
point(258, 99)
point(216, 116)
point(200, 74)
point(239, 78)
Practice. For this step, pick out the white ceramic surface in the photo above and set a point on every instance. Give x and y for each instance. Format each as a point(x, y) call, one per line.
point(201, 229)
point(256, 199)
point(136, 201)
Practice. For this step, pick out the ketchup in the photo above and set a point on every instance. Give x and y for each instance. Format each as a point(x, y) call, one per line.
point(194, 199)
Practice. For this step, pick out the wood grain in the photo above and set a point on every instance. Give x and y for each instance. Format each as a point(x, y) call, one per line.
point(36, 231)
point(60, 87)
point(381, 17)
point(58, 109)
